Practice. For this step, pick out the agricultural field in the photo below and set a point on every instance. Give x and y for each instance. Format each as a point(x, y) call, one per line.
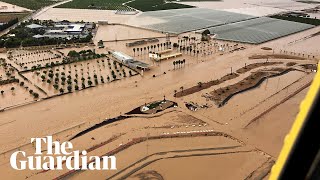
point(200, 0)
point(31, 4)
point(5, 17)
point(15, 94)
point(55, 72)
point(142, 5)
point(9, 19)
point(79, 75)
point(26, 60)
point(5, 71)
point(96, 4)
point(14, 89)
point(155, 5)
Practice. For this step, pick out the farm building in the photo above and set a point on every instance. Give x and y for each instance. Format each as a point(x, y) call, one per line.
point(128, 60)
point(34, 26)
point(68, 30)
point(122, 57)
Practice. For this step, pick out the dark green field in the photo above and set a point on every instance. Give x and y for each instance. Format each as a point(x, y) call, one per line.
point(96, 4)
point(142, 5)
point(31, 4)
point(154, 5)
point(200, 0)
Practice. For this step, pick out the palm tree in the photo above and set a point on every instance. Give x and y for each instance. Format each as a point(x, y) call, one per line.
point(2, 92)
point(61, 90)
point(174, 64)
point(200, 84)
point(175, 93)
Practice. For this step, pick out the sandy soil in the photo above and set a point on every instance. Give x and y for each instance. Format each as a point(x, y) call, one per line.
point(6, 7)
point(87, 15)
point(249, 5)
point(121, 32)
point(257, 10)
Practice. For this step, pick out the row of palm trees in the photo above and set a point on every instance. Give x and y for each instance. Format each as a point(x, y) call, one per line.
point(296, 54)
point(179, 63)
point(186, 40)
point(158, 46)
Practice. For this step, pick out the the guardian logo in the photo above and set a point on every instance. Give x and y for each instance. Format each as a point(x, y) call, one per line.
point(59, 157)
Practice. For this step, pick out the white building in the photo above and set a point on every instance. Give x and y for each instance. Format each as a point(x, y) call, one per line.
point(128, 60)
point(122, 57)
point(34, 26)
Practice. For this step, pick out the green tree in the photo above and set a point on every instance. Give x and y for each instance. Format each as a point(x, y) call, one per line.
point(89, 82)
point(56, 86)
point(69, 88)
point(73, 54)
point(36, 95)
